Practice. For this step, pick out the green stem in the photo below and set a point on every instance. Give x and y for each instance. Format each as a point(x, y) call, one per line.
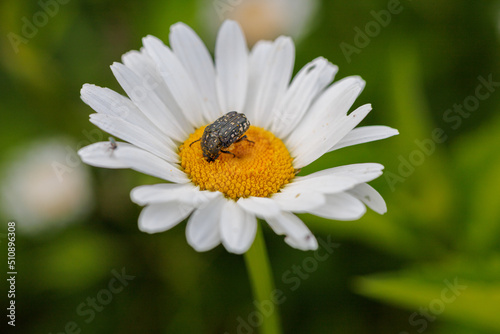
point(261, 278)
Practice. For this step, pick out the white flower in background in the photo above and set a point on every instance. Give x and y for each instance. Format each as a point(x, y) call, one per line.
point(40, 191)
point(176, 91)
point(263, 19)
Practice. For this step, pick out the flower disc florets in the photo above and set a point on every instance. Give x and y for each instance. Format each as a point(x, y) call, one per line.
point(257, 169)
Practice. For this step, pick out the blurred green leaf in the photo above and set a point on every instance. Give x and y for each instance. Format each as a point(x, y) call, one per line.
point(427, 193)
point(452, 291)
point(373, 229)
point(78, 259)
point(477, 155)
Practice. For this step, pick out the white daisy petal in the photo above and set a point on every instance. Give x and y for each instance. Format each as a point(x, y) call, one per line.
point(337, 179)
point(237, 228)
point(100, 154)
point(129, 156)
point(143, 65)
point(271, 81)
point(365, 134)
point(109, 102)
point(202, 230)
point(177, 79)
point(147, 100)
point(363, 172)
point(340, 206)
point(259, 206)
point(160, 193)
point(328, 134)
point(168, 192)
point(137, 136)
point(330, 106)
point(333, 103)
point(298, 199)
point(311, 244)
point(326, 184)
point(231, 59)
point(163, 216)
point(370, 197)
point(193, 54)
point(297, 233)
point(148, 163)
point(257, 61)
point(258, 57)
point(307, 84)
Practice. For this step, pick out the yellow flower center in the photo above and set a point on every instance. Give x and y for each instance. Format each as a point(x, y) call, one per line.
point(258, 169)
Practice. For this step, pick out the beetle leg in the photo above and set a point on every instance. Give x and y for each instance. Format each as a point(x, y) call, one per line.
point(194, 142)
point(244, 138)
point(227, 152)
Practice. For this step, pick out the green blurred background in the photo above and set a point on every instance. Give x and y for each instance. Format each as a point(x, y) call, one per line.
point(389, 274)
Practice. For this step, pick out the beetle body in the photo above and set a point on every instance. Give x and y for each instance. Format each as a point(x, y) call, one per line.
point(225, 131)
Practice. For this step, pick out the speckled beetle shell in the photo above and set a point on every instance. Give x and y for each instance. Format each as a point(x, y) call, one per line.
point(225, 131)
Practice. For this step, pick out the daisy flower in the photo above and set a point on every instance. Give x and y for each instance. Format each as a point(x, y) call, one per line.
point(42, 189)
point(263, 19)
point(175, 92)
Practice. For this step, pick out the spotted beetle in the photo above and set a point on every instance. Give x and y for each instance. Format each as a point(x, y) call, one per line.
point(225, 131)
